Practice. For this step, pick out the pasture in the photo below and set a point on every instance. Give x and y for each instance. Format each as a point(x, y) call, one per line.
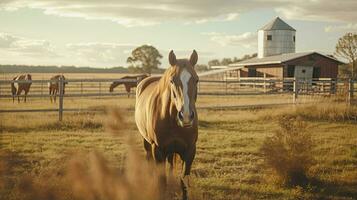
point(228, 163)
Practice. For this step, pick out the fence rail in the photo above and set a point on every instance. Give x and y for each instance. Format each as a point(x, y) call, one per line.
point(242, 86)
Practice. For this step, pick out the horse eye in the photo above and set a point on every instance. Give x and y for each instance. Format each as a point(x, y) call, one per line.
point(172, 81)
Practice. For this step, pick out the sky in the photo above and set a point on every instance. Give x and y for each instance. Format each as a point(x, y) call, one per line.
point(102, 33)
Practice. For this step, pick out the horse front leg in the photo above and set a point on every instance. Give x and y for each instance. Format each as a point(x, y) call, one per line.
point(170, 160)
point(25, 96)
point(159, 158)
point(55, 95)
point(186, 170)
point(18, 97)
point(49, 93)
point(127, 88)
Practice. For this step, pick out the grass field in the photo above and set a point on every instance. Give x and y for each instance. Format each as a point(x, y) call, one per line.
point(228, 164)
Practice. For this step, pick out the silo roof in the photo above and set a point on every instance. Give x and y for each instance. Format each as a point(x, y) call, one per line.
point(277, 24)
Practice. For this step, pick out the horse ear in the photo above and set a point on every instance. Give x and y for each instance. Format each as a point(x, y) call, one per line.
point(172, 58)
point(194, 58)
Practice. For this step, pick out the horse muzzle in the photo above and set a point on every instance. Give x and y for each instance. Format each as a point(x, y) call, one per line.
point(185, 120)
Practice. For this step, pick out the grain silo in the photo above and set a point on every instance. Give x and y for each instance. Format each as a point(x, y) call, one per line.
point(275, 38)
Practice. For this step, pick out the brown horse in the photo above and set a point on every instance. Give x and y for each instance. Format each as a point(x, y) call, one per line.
point(53, 86)
point(128, 85)
point(18, 87)
point(165, 114)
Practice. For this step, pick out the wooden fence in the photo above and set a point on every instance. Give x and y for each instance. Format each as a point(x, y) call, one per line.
point(243, 86)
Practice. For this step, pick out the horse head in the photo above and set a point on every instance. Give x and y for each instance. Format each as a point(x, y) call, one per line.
point(183, 81)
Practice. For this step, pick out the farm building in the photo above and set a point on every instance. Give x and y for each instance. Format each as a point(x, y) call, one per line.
point(277, 58)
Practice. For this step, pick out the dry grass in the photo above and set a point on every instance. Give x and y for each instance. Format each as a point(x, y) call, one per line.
point(89, 176)
point(288, 152)
point(228, 164)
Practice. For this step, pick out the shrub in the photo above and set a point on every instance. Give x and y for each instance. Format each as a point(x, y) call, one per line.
point(288, 152)
point(328, 111)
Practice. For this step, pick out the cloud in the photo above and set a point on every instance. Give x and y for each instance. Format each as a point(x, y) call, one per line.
point(344, 28)
point(144, 13)
point(247, 40)
point(319, 10)
point(26, 46)
point(101, 53)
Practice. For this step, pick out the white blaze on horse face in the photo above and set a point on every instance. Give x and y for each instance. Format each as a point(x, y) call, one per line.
point(185, 77)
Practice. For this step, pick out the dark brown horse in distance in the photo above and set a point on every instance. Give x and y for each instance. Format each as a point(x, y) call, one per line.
point(165, 114)
point(18, 87)
point(128, 85)
point(53, 86)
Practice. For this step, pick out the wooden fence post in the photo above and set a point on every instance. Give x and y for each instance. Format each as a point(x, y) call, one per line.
point(295, 90)
point(350, 89)
point(42, 87)
point(226, 86)
point(60, 105)
point(265, 84)
point(100, 87)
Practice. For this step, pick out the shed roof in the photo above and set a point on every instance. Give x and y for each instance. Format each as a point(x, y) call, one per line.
point(218, 71)
point(278, 59)
point(277, 24)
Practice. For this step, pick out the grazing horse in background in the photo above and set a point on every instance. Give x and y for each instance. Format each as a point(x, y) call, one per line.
point(18, 87)
point(53, 86)
point(165, 114)
point(128, 85)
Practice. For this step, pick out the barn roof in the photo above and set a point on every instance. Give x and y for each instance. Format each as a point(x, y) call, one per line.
point(278, 59)
point(217, 71)
point(277, 24)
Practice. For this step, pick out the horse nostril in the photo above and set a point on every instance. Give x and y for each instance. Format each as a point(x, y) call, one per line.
point(180, 115)
point(192, 115)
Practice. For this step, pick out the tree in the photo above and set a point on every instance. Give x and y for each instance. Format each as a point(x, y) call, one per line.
point(346, 47)
point(202, 67)
point(214, 62)
point(226, 61)
point(146, 57)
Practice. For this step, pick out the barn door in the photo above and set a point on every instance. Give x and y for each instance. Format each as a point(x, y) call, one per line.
point(303, 72)
point(304, 75)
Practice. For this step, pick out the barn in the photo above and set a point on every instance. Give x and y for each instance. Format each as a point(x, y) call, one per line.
point(277, 59)
point(305, 65)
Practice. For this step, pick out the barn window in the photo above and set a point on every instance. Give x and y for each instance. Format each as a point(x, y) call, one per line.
point(316, 73)
point(269, 37)
point(294, 38)
point(291, 70)
point(303, 71)
point(252, 72)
